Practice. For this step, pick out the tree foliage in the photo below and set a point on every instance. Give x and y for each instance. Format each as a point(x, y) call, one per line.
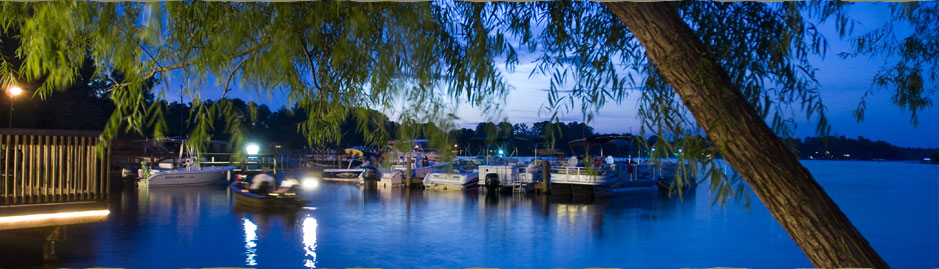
point(334, 60)
point(911, 71)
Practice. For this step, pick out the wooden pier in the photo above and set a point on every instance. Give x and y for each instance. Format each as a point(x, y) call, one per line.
point(51, 178)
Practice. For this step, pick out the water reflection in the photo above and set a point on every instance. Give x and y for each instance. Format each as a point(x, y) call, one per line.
point(401, 228)
point(251, 237)
point(309, 242)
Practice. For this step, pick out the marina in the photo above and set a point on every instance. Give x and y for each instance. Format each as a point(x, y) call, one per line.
point(346, 225)
point(563, 134)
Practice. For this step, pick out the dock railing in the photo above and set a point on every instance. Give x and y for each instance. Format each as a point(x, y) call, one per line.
point(52, 166)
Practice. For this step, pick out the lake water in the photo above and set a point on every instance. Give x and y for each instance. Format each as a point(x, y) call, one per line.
point(894, 205)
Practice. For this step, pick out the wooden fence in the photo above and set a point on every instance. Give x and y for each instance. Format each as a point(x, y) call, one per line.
point(52, 166)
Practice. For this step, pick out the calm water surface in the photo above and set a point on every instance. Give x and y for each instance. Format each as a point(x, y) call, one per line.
point(895, 205)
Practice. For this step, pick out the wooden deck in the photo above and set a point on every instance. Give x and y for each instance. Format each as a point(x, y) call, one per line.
point(49, 175)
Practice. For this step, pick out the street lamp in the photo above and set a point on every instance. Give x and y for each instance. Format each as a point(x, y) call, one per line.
point(13, 92)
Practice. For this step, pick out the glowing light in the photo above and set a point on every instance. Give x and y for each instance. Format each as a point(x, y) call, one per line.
point(50, 216)
point(252, 149)
point(15, 90)
point(309, 183)
point(679, 150)
point(309, 241)
point(251, 236)
point(500, 152)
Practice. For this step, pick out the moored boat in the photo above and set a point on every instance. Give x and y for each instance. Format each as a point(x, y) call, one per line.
point(355, 171)
point(190, 175)
point(505, 175)
point(462, 175)
point(421, 166)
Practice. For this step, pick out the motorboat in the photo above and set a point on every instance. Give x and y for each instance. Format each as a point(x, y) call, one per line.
point(461, 174)
point(191, 174)
point(510, 174)
point(357, 169)
point(264, 200)
point(420, 167)
point(183, 170)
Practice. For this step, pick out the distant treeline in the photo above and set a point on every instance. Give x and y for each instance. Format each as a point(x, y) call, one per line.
point(87, 106)
point(842, 148)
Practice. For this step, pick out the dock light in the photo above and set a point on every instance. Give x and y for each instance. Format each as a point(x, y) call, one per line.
point(54, 216)
point(252, 149)
point(13, 92)
point(500, 152)
point(309, 183)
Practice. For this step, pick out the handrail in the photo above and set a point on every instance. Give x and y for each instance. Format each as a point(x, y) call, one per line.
point(49, 166)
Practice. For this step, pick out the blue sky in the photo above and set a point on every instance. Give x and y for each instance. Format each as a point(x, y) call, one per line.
point(843, 82)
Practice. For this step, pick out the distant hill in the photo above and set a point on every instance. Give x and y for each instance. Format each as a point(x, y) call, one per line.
point(842, 148)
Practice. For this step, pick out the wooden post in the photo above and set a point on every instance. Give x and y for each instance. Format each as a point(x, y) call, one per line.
point(407, 172)
point(545, 176)
point(49, 251)
point(6, 169)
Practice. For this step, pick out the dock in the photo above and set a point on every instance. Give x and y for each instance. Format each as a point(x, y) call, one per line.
point(51, 179)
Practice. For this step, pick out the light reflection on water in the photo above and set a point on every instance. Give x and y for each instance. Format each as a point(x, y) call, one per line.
point(395, 228)
point(309, 242)
point(251, 236)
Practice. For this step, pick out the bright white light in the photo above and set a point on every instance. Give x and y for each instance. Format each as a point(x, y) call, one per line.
point(15, 90)
point(251, 236)
point(679, 150)
point(653, 149)
point(310, 183)
point(252, 149)
point(309, 241)
point(500, 151)
point(63, 215)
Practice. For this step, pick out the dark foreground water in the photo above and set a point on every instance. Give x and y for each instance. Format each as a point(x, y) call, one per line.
point(895, 206)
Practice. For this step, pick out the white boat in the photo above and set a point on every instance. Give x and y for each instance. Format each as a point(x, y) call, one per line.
point(461, 175)
point(420, 168)
point(192, 175)
point(604, 178)
point(184, 170)
point(510, 175)
point(357, 170)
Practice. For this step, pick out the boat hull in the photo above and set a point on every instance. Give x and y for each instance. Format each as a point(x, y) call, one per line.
point(246, 199)
point(444, 181)
point(350, 175)
point(181, 177)
point(609, 190)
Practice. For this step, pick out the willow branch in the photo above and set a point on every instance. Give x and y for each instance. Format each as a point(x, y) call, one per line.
point(309, 56)
point(186, 64)
point(232, 74)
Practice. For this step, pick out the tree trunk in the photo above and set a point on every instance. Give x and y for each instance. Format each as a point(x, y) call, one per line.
point(787, 189)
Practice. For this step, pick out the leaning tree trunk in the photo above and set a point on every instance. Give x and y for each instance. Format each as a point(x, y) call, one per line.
point(787, 189)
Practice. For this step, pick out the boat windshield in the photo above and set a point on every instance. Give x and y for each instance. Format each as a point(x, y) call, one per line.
point(464, 166)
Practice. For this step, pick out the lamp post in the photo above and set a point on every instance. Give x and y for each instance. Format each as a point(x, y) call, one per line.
point(13, 92)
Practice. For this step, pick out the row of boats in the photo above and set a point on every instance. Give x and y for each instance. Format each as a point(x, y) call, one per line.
point(574, 177)
point(570, 177)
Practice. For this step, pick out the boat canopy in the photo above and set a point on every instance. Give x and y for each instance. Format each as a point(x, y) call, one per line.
point(599, 140)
